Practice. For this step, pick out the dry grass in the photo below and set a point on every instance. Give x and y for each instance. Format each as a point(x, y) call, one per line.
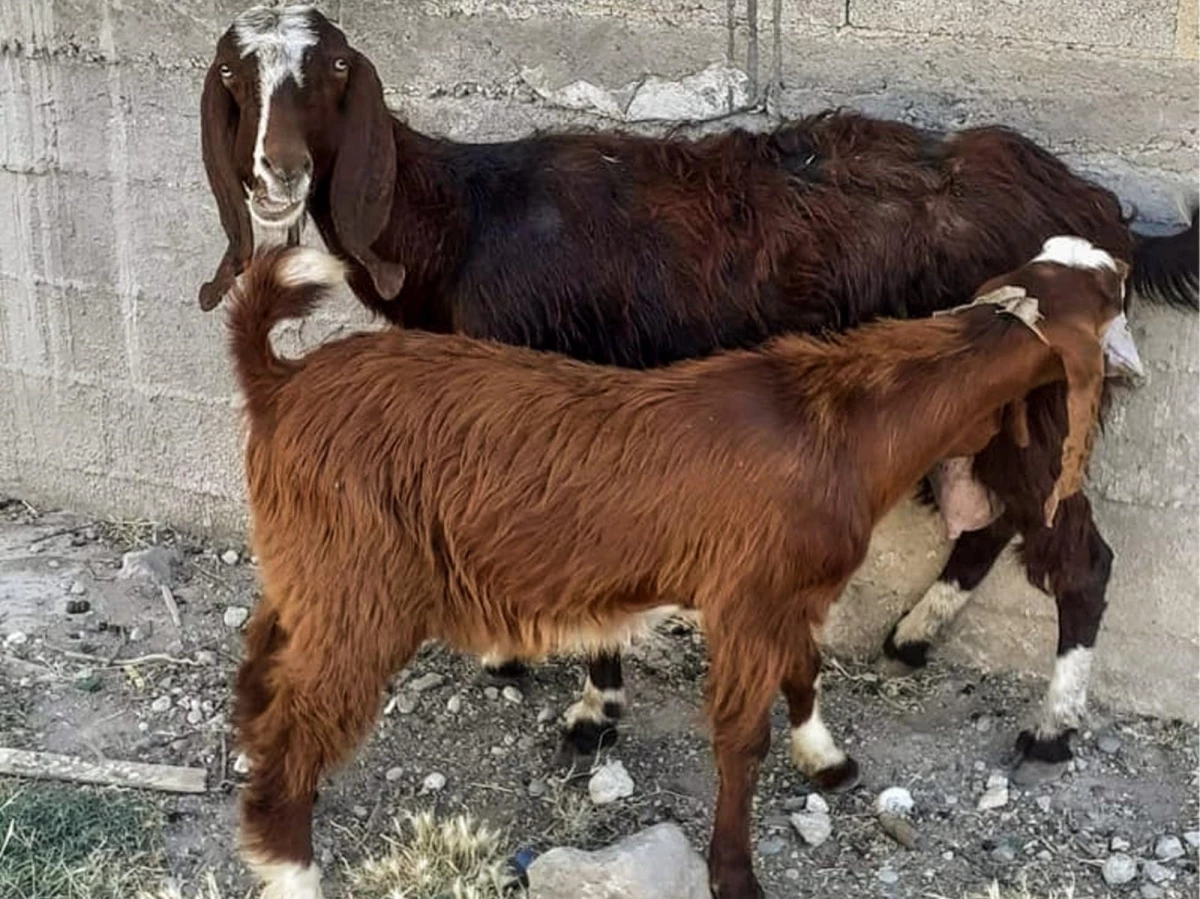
point(64, 842)
point(1020, 891)
point(455, 858)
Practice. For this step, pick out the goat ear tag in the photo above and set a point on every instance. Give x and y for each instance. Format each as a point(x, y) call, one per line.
point(1120, 352)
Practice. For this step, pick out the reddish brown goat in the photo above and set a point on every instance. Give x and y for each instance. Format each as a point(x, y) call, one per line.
point(408, 487)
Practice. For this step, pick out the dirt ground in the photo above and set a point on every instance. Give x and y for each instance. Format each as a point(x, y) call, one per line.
point(66, 614)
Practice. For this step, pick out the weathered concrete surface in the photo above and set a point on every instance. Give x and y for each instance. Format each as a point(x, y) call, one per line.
point(115, 391)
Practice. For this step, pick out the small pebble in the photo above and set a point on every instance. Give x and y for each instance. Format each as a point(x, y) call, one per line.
point(87, 682)
point(394, 774)
point(1156, 872)
point(16, 638)
point(888, 876)
point(1118, 844)
point(1168, 848)
point(161, 705)
point(1118, 869)
point(512, 694)
point(241, 764)
point(816, 803)
point(230, 557)
point(406, 704)
point(814, 827)
point(433, 782)
point(536, 788)
point(140, 632)
point(235, 617)
point(206, 657)
point(610, 783)
point(360, 812)
point(792, 873)
point(894, 801)
point(425, 682)
point(1005, 854)
point(454, 704)
point(770, 846)
point(1108, 744)
point(1043, 804)
point(194, 717)
point(544, 715)
point(948, 855)
point(78, 588)
point(491, 692)
point(1192, 838)
point(1151, 891)
point(54, 563)
point(996, 794)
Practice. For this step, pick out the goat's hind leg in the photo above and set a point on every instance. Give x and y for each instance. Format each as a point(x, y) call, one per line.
point(973, 555)
point(813, 748)
point(303, 703)
point(591, 723)
point(1076, 563)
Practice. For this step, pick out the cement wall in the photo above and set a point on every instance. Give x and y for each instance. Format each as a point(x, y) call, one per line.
point(115, 392)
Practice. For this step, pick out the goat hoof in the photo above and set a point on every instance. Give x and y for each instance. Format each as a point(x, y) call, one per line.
point(911, 655)
point(512, 672)
point(838, 779)
point(589, 737)
point(734, 885)
point(1041, 760)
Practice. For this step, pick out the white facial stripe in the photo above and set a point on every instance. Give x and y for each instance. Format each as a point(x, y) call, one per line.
point(813, 748)
point(1075, 252)
point(1066, 700)
point(278, 39)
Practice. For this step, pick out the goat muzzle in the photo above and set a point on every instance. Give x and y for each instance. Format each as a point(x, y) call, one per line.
point(1121, 355)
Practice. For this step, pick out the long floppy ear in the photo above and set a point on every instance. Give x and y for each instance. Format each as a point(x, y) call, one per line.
point(218, 128)
point(1083, 360)
point(364, 176)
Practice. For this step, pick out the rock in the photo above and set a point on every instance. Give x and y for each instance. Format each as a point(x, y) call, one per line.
point(206, 657)
point(394, 774)
point(657, 863)
point(895, 801)
point(241, 764)
point(86, 681)
point(1108, 744)
point(1118, 844)
point(425, 682)
point(454, 704)
point(1119, 869)
point(16, 638)
point(155, 563)
point(816, 803)
point(1005, 854)
point(235, 617)
point(161, 705)
point(491, 692)
point(770, 845)
point(1192, 838)
point(536, 788)
point(546, 714)
point(512, 694)
point(1168, 848)
point(1150, 891)
point(433, 782)
point(899, 829)
point(140, 632)
point(194, 717)
point(1156, 872)
point(77, 588)
point(610, 783)
point(230, 557)
point(360, 812)
point(1043, 804)
point(404, 703)
point(814, 827)
point(996, 794)
point(888, 876)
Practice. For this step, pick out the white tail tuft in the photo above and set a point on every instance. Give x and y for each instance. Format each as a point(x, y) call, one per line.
point(1075, 252)
point(308, 265)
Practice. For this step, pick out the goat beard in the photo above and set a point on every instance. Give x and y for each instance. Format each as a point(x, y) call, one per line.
point(965, 504)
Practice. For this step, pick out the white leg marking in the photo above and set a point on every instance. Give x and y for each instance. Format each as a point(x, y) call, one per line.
point(288, 880)
point(813, 748)
point(1066, 700)
point(590, 706)
point(940, 604)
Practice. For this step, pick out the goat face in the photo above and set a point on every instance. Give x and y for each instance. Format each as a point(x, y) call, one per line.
point(284, 84)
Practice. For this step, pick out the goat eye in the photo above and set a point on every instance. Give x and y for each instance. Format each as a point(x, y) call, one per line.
point(340, 64)
point(226, 72)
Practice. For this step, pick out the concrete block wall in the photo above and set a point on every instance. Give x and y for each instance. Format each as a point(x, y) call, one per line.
point(115, 391)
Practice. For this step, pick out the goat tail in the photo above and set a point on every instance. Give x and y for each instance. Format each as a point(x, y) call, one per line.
point(279, 283)
point(1167, 268)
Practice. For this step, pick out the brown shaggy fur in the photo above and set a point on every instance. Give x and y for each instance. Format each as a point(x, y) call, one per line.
point(408, 486)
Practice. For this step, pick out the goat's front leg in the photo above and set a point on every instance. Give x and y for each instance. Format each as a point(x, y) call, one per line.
point(743, 680)
point(503, 670)
point(591, 723)
point(973, 555)
point(813, 749)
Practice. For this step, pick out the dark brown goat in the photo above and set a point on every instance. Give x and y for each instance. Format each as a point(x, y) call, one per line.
point(638, 252)
point(407, 486)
